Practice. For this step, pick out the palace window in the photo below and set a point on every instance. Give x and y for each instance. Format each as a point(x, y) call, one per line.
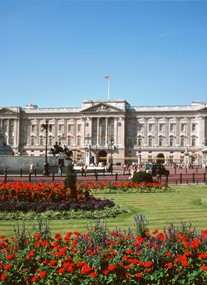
point(150, 142)
point(172, 127)
point(183, 127)
point(193, 142)
point(41, 141)
point(69, 141)
point(32, 141)
point(139, 142)
point(78, 141)
point(50, 141)
point(140, 127)
point(60, 128)
point(161, 127)
point(171, 141)
point(182, 142)
point(194, 127)
point(70, 128)
point(160, 141)
point(151, 127)
point(79, 127)
point(33, 128)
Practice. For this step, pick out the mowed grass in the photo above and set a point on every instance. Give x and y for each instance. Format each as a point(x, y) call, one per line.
point(160, 209)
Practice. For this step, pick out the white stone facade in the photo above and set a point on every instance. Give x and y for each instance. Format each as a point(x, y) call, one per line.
point(105, 130)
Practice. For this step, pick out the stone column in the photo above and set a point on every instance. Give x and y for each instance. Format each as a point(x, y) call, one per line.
point(107, 130)
point(177, 131)
point(188, 131)
point(145, 131)
point(98, 131)
point(115, 131)
point(201, 132)
point(156, 132)
point(37, 131)
point(16, 133)
point(167, 131)
point(74, 132)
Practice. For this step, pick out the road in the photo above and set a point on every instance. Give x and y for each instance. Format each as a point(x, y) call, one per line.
point(177, 176)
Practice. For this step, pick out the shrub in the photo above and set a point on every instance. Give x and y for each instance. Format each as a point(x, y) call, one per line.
point(142, 176)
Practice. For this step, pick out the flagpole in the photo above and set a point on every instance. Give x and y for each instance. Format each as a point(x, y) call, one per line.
point(108, 87)
point(107, 77)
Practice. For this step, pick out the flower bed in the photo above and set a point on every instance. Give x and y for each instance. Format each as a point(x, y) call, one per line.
point(20, 200)
point(174, 256)
point(123, 187)
point(55, 192)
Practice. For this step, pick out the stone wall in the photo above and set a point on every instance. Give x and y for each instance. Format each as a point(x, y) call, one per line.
point(15, 164)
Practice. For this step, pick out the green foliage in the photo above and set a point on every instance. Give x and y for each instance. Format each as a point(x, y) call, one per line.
point(142, 176)
point(141, 225)
point(107, 212)
point(21, 232)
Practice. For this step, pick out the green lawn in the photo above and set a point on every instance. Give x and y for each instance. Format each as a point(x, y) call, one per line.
point(160, 210)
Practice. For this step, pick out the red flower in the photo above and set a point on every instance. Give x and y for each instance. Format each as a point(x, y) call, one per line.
point(169, 265)
point(184, 263)
point(86, 269)
point(61, 270)
point(71, 268)
point(168, 253)
point(204, 267)
point(7, 266)
point(53, 263)
point(94, 275)
point(148, 264)
point(4, 276)
point(80, 263)
point(34, 279)
point(112, 267)
point(129, 251)
point(43, 274)
point(138, 275)
point(58, 236)
point(10, 256)
point(155, 231)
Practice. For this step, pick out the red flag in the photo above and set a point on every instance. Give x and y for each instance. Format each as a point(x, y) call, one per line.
point(107, 77)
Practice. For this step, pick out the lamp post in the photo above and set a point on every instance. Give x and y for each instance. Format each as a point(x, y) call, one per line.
point(45, 127)
point(96, 154)
point(186, 157)
point(139, 162)
point(204, 154)
point(111, 160)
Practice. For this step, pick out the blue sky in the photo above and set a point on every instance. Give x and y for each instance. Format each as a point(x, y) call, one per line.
point(55, 53)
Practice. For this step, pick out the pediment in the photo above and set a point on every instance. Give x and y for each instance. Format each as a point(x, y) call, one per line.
point(102, 108)
point(203, 109)
point(7, 111)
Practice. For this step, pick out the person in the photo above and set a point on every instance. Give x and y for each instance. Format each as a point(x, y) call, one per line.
point(59, 169)
point(31, 169)
point(85, 169)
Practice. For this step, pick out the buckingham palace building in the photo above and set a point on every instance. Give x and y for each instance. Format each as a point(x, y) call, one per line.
point(110, 131)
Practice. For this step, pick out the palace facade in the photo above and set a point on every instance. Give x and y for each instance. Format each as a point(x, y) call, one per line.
point(110, 131)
